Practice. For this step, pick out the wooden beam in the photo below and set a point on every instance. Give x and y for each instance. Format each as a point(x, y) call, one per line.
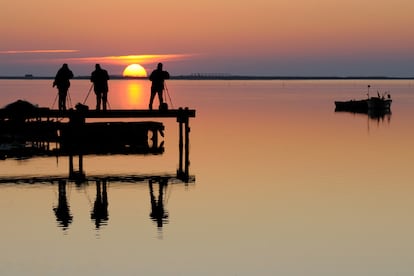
point(114, 113)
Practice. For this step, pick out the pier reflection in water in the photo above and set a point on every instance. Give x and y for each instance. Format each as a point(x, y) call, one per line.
point(100, 208)
point(143, 138)
point(99, 214)
point(66, 212)
point(62, 212)
point(158, 213)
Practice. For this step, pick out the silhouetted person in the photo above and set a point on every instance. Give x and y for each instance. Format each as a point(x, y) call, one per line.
point(100, 79)
point(100, 208)
point(62, 211)
point(157, 77)
point(62, 82)
point(158, 213)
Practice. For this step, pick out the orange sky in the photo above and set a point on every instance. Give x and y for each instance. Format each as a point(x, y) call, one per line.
point(264, 37)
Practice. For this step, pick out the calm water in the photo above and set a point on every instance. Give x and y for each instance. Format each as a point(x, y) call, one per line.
point(283, 186)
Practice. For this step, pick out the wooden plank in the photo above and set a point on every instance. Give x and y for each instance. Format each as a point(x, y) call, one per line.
point(135, 179)
point(114, 113)
point(140, 113)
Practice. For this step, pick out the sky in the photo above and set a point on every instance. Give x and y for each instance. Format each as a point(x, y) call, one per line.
point(235, 37)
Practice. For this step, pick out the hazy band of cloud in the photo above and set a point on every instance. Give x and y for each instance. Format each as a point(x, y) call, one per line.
point(129, 59)
point(53, 51)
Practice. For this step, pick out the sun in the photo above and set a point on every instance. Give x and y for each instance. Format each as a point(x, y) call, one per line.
point(134, 70)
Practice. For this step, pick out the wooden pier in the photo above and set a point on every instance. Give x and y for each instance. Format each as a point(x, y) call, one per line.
point(181, 114)
point(35, 120)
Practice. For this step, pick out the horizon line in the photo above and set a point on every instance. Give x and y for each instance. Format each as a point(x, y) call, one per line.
point(226, 77)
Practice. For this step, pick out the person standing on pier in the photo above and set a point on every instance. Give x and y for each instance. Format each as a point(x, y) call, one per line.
point(158, 76)
point(100, 78)
point(62, 82)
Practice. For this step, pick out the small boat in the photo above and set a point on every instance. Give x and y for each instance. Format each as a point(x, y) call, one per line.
point(352, 105)
point(378, 103)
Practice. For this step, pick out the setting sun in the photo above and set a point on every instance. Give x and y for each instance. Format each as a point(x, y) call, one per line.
point(134, 70)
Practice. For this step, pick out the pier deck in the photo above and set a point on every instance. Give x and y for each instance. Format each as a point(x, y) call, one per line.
point(46, 122)
point(180, 114)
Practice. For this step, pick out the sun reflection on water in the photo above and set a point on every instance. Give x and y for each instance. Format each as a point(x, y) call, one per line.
point(134, 96)
point(134, 93)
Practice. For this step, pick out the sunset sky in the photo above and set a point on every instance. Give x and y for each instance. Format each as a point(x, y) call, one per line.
point(262, 37)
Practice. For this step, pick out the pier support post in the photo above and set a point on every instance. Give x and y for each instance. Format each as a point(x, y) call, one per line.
point(180, 147)
point(183, 144)
point(77, 175)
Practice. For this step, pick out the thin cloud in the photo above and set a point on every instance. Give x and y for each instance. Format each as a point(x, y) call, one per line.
point(129, 59)
point(38, 51)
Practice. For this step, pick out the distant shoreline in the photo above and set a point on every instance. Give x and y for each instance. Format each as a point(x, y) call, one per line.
point(226, 77)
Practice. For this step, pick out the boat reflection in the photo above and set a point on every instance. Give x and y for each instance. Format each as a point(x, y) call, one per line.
point(379, 116)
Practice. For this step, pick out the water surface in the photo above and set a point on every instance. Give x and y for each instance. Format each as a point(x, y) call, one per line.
point(284, 185)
